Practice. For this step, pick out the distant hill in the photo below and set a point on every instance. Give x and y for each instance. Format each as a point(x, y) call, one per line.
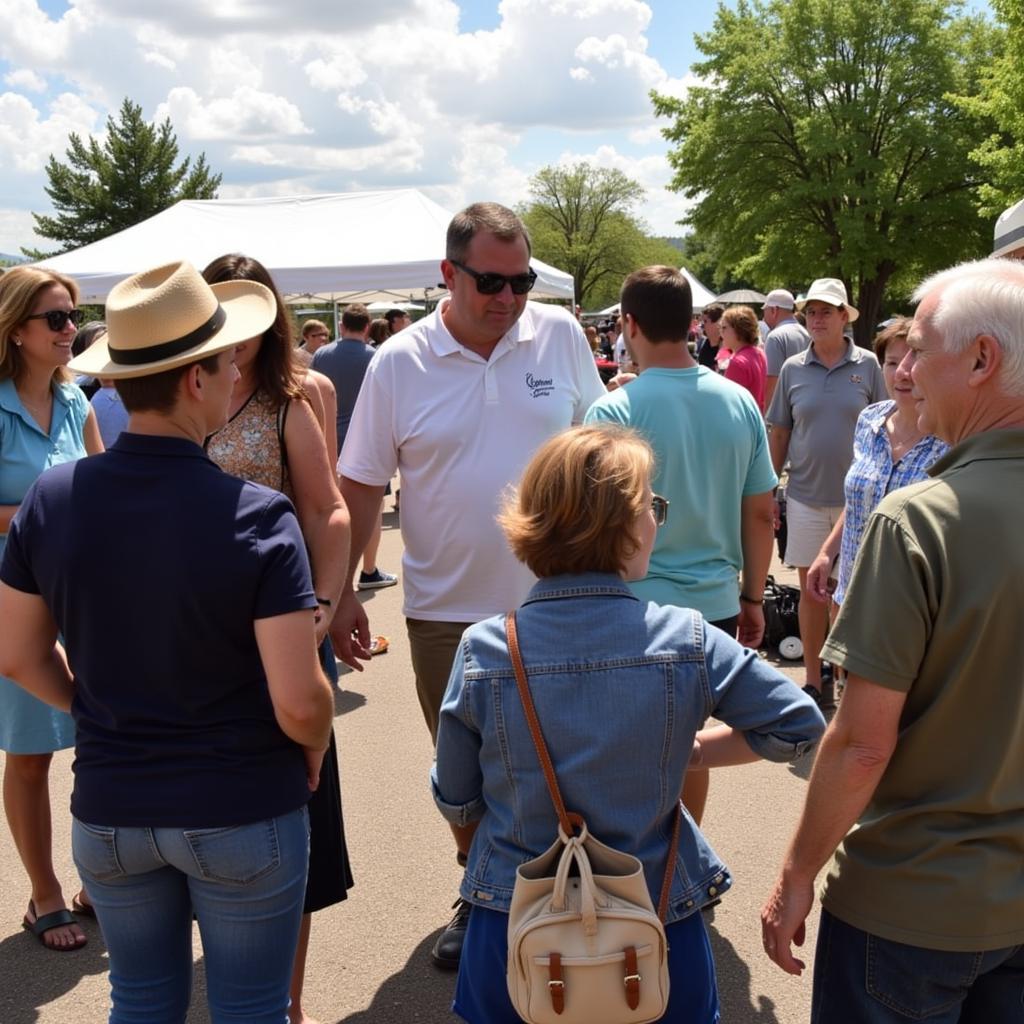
point(7, 258)
point(677, 242)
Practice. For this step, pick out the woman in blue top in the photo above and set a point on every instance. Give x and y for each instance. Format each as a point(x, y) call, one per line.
point(44, 420)
point(889, 451)
point(621, 711)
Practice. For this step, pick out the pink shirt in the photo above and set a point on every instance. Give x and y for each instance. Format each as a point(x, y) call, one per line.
point(749, 368)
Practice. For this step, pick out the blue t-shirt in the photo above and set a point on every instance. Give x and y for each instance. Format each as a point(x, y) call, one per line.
point(711, 451)
point(155, 563)
point(344, 361)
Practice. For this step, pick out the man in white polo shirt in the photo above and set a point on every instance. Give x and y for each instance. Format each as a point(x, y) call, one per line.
point(458, 403)
point(813, 415)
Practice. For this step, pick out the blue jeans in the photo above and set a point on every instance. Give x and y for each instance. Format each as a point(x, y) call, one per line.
point(862, 979)
point(245, 884)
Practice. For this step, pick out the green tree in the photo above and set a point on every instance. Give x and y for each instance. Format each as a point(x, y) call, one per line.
point(1001, 102)
point(580, 220)
point(100, 190)
point(824, 142)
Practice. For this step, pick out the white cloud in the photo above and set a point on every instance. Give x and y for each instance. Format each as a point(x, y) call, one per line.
point(25, 78)
point(246, 113)
point(27, 139)
point(314, 95)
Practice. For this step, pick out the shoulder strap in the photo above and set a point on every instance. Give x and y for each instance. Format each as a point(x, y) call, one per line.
point(534, 723)
point(282, 416)
point(566, 819)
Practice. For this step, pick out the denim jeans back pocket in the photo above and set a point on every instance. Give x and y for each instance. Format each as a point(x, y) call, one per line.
point(95, 850)
point(918, 983)
point(236, 855)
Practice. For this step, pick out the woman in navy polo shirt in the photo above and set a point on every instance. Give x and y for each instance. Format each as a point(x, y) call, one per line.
point(201, 713)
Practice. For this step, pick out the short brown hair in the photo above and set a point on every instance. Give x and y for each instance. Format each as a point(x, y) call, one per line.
point(659, 300)
point(159, 391)
point(355, 317)
point(493, 218)
point(743, 320)
point(308, 326)
point(19, 288)
point(896, 330)
point(579, 500)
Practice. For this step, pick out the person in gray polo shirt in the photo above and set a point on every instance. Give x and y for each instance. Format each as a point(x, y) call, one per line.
point(786, 336)
point(813, 414)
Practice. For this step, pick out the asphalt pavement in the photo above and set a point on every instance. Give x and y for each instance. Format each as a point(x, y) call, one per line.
point(369, 956)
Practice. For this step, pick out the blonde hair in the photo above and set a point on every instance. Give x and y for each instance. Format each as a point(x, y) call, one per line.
point(579, 500)
point(19, 289)
point(743, 320)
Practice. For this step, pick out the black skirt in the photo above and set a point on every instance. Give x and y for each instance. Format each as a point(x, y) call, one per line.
point(330, 873)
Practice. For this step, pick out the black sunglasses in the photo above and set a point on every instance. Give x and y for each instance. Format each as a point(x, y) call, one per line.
point(57, 318)
point(659, 506)
point(491, 284)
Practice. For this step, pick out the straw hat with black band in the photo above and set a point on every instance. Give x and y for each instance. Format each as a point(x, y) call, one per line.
point(169, 317)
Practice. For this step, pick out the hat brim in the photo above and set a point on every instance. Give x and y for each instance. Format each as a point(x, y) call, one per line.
point(249, 309)
point(851, 311)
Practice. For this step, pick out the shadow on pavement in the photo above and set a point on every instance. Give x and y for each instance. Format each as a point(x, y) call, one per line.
point(734, 995)
point(346, 701)
point(32, 977)
point(417, 993)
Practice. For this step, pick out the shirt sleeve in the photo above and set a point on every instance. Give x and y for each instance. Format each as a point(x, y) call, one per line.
point(778, 720)
point(456, 779)
point(589, 381)
point(780, 413)
point(883, 626)
point(370, 453)
point(15, 567)
point(286, 584)
point(774, 354)
point(608, 409)
point(761, 476)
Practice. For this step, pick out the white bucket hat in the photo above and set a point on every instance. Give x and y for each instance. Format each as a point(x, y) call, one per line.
point(832, 291)
point(168, 317)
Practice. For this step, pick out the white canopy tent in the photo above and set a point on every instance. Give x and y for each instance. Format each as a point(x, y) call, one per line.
point(701, 296)
point(333, 246)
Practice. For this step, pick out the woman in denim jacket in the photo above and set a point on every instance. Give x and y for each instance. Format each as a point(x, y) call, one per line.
point(622, 689)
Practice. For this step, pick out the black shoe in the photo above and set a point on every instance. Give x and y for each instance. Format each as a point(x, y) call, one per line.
point(448, 948)
point(822, 698)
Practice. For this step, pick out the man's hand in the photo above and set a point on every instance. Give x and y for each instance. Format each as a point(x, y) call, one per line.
point(620, 380)
point(782, 921)
point(350, 631)
point(314, 762)
point(750, 629)
point(817, 578)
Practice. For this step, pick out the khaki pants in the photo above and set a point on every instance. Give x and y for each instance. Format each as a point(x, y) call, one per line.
point(433, 646)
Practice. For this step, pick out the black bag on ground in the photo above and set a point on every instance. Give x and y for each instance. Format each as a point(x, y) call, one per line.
point(781, 612)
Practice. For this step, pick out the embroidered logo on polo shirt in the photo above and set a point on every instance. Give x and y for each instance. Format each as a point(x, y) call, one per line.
point(539, 386)
point(856, 378)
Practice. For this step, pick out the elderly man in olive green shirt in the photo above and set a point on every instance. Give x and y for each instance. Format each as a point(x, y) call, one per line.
point(923, 905)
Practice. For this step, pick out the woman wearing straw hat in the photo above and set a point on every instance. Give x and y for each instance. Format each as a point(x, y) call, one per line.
point(201, 712)
point(44, 421)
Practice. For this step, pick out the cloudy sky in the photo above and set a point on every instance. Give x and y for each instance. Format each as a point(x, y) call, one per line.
point(464, 100)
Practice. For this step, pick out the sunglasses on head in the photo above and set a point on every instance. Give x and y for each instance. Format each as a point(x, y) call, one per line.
point(57, 318)
point(659, 506)
point(491, 284)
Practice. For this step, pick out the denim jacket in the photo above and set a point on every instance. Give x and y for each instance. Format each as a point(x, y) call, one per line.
point(621, 687)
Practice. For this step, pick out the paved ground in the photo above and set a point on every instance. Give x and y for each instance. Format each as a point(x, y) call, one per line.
point(369, 959)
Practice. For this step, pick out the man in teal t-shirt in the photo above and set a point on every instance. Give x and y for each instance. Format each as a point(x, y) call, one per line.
point(713, 466)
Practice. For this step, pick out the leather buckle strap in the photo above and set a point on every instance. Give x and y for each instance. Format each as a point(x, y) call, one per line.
point(632, 979)
point(556, 986)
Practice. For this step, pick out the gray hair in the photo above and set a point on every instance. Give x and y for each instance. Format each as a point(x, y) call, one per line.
point(493, 218)
point(982, 297)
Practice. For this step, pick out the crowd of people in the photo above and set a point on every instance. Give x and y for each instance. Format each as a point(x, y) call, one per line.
point(243, 496)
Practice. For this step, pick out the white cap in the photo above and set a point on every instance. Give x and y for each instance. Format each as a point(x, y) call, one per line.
point(779, 297)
